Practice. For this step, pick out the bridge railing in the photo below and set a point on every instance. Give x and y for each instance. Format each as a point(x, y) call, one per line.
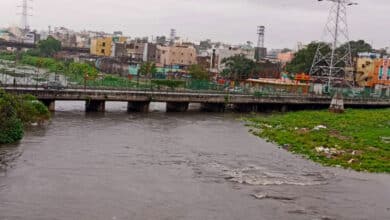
point(349, 94)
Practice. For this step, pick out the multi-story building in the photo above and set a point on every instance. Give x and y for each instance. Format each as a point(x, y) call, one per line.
point(136, 50)
point(180, 55)
point(371, 70)
point(105, 46)
point(224, 53)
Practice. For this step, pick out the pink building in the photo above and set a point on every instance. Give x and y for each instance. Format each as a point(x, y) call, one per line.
point(286, 57)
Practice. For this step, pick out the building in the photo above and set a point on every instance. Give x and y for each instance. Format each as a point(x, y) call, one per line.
point(66, 36)
point(260, 53)
point(105, 46)
point(135, 50)
point(372, 70)
point(180, 55)
point(285, 57)
point(224, 53)
point(30, 38)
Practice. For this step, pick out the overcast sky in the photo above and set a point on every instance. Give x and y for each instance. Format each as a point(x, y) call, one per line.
point(234, 21)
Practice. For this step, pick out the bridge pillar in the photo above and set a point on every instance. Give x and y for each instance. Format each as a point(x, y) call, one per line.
point(245, 107)
point(95, 106)
point(284, 108)
point(50, 104)
point(138, 107)
point(213, 107)
point(177, 106)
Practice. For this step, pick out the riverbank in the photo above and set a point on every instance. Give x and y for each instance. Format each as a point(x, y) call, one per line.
point(358, 139)
point(18, 112)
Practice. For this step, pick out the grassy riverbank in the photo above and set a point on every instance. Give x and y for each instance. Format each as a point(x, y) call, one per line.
point(17, 112)
point(358, 139)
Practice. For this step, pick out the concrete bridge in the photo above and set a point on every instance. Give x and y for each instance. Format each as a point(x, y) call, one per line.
point(138, 101)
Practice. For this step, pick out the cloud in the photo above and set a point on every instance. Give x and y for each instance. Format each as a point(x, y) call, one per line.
point(235, 21)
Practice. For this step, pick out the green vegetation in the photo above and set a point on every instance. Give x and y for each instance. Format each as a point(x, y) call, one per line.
point(197, 72)
point(49, 47)
point(7, 56)
point(357, 139)
point(148, 69)
point(17, 112)
point(238, 67)
point(303, 59)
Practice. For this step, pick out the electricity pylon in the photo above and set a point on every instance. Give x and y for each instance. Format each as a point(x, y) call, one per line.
point(334, 65)
point(25, 14)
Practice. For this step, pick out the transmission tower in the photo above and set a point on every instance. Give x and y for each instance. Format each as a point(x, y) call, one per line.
point(25, 14)
point(261, 34)
point(260, 50)
point(334, 65)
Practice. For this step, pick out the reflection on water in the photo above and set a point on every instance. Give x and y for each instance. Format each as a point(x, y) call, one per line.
point(172, 166)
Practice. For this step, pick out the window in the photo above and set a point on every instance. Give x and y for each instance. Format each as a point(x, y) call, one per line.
point(103, 51)
point(104, 44)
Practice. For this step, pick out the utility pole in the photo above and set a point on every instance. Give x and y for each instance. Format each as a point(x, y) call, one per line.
point(336, 65)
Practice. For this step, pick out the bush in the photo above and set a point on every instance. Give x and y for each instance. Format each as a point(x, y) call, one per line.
point(11, 130)
point(7, 56)
point(16, 112)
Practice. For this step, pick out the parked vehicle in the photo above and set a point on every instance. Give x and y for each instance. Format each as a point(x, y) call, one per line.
point(54, 85)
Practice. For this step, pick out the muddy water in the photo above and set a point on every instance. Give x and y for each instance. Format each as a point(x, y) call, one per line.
point(172, 166)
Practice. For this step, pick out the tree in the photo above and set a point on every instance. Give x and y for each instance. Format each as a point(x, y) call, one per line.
point(49, 47)
point(197, 72)
point(303, 59)
point(238, 67)
point(148, 69)
point(357, 47)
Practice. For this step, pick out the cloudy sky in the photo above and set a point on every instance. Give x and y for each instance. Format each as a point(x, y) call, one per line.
point(234, 21)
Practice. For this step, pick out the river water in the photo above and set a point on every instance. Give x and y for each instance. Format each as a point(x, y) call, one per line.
point(192, 165)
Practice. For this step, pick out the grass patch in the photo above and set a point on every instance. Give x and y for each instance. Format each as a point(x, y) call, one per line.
point(358, 139)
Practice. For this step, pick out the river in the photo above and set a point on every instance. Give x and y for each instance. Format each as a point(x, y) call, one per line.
point(163, 166)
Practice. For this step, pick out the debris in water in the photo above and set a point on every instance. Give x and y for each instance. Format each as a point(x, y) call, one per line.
point(266, 196)
point(299, 211)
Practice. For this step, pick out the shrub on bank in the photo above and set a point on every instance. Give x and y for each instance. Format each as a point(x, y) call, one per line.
point(17, 112)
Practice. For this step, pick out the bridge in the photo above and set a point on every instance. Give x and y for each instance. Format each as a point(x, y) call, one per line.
point(178, 101)
point(20, 45)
